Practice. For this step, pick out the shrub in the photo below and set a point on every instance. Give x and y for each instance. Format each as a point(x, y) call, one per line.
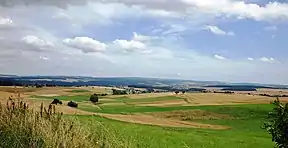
point(94, 98)
point(56, 101)
point(103, 94)
point(277, 124)
point(72, 104)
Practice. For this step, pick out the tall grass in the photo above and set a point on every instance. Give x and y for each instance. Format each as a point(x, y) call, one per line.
point(21, 127)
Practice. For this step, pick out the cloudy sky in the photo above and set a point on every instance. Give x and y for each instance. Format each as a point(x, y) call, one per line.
point(225, 40)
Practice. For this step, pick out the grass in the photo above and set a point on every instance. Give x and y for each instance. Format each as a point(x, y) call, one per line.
point(140, 100)
point(245, 130)
point(25, 128)
point(224, 109)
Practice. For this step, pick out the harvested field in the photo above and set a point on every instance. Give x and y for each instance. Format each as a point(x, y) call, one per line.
point(222, 99)
point(163, 103)
point(150, 120)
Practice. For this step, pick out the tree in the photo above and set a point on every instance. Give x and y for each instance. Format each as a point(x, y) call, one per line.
point(183, 91)
point(72, 104)
point(176, 92)
point(94, 98)
point(119, 92)
point(277, 124)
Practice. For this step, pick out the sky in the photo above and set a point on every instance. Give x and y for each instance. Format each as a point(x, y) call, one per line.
point(223, 40)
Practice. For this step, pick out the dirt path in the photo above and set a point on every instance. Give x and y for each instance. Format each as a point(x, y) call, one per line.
point(151, 120)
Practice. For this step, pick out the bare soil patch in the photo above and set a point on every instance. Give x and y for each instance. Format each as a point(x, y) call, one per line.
point(151, 120)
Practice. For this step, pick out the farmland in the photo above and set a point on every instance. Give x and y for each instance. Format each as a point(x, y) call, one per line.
point(163, 119)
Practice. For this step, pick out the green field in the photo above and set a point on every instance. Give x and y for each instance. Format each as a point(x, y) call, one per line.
point(245, 129)
point(245, 126)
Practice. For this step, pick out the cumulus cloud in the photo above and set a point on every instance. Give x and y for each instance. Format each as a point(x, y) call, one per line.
point(131, 45)
point(219, 57)
point(216, 30)
point(228, 8)
point(242, 9)
point(250, 59)
point(85, 44)
point(37, 42)
point(5, 21)
point(266, 59)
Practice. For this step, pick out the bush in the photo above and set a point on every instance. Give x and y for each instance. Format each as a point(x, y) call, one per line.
point(56, 101)
point(72, 104)
point(277, 124)
point(94, 98)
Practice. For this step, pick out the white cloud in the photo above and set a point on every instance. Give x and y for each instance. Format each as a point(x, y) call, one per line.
point(44, 58)
point(6, 22)
point(37, 42)
point(265, 59)
point(163, 13)
point(85, 44)
point(250, 59)
point(131, 45)
point(216, 30)
point(220, 57)
point(242, 9)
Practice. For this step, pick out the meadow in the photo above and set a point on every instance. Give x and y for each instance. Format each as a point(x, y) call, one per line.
point(165, 119)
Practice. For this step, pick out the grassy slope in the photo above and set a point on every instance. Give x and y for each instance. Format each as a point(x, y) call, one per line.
point(245, 132)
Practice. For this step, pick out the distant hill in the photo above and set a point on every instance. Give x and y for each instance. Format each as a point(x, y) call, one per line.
point(122, 81)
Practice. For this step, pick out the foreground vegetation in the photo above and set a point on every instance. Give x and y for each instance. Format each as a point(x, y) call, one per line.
point(22, 127)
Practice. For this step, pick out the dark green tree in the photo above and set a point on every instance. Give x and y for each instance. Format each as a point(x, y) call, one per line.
point(94, 98)
point(277, 124)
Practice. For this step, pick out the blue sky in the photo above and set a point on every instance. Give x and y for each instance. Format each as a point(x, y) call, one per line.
point(224, 40)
